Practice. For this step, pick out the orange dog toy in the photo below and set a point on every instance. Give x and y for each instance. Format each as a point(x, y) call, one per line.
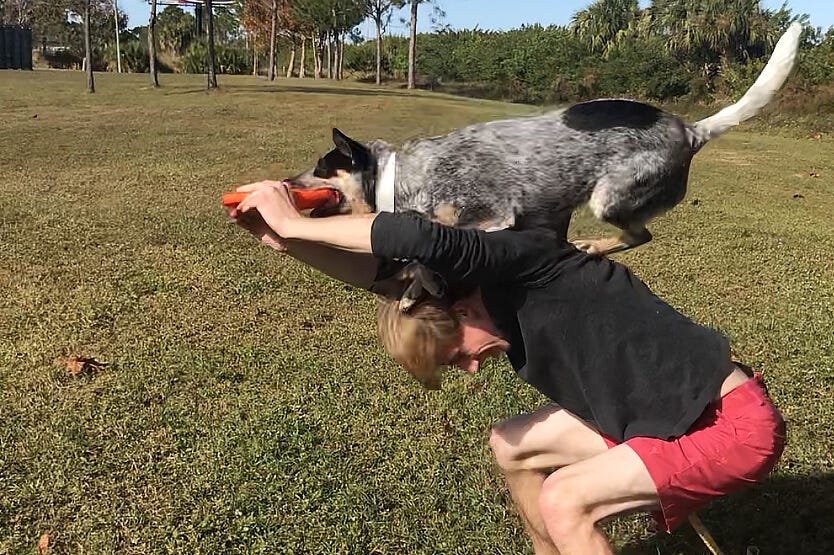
point(305, 199)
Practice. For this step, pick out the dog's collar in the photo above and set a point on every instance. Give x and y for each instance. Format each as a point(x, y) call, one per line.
point(385, 185)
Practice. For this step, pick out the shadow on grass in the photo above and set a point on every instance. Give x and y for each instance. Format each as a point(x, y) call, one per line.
point(785, 515)
point(346, 91)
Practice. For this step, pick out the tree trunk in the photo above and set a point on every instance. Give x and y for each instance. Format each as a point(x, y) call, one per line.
point(291, 65)
point(272, 40)
point(316, 57)
point(412, 45)
point(212, 74)
point(255, 56)
point(339, 52)
point(329, 40)
point(341, 58)
point(302, 66)
point(118, 44)
point(379, 51)
point(88, 49)
point(152, 45)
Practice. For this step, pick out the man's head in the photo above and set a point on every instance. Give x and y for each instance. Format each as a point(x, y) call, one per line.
point(432, 335)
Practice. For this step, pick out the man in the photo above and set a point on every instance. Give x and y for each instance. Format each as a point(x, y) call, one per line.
point(649, 411)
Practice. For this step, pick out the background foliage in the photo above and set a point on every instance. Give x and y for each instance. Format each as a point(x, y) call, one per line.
point(682, 50)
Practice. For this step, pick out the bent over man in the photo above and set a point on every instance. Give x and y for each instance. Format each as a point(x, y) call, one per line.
point(648, 410)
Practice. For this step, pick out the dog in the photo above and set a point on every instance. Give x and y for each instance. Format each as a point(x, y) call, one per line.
point(629, 161)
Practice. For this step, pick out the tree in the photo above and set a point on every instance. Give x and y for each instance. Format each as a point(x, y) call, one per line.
point(88, 49)
point(176, 29)
point(152, 45)
point(706, 30)
point(325, 23)
point(274, 28)
point(380, 12)
point(16, 11)
point(211, 82)
point(412, 43)
point(602, 24)
point(412, 36)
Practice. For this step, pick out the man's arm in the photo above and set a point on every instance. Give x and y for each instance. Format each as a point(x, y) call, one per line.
point(357, 269)
point(461, 255)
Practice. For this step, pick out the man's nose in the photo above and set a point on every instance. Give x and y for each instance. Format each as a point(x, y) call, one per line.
point(473, 365)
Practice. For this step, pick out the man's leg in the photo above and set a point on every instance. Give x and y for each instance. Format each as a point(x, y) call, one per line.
point(527, 448)
point(574, 498)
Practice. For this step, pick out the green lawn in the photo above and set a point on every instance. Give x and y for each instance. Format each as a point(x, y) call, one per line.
point(245, 405)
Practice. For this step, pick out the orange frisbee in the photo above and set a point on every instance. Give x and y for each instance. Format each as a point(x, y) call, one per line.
point(305, 199)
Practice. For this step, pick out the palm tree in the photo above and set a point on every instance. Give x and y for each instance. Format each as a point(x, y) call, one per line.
point(604, 22)
point(723, 29)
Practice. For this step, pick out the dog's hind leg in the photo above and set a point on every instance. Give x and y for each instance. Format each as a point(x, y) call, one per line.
point(634, 236)
point(631, 197)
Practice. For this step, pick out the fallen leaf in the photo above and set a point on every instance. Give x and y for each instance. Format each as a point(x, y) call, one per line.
point(43, 544)
point(77, 365)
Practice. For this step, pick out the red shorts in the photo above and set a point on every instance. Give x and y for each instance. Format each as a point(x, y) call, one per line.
point(735, 442)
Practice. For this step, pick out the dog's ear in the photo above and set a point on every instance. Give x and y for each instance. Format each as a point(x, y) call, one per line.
point(420, 281)
point(358, 153)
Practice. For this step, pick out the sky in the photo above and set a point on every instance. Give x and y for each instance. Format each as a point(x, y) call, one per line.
point(500, 14)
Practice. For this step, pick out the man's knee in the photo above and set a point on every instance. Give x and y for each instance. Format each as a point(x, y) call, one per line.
point(504, 453)
point(562, 505)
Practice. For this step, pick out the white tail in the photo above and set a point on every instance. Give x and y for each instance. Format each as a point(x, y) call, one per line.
point(773, 76)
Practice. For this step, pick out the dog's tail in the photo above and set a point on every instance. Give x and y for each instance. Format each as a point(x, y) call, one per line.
point(759, 95)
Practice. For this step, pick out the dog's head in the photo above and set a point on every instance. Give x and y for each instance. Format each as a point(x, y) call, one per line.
point(350, 168)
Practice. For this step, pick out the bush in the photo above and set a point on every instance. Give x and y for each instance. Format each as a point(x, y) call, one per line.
point(361, 58)
point(232, 60)
point(640, 69)
point(536, 64)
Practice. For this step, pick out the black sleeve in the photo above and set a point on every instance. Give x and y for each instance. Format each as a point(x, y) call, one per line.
point(468, 255)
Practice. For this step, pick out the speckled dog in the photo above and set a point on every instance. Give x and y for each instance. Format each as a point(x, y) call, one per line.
point(628, 160)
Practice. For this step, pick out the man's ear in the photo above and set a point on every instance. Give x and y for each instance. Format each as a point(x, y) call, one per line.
point(462, 310)
point(358, 153)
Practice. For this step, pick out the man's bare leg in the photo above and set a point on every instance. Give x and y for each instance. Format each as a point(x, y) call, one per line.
point(527, 448)
point(574, 498)
point(525, 487)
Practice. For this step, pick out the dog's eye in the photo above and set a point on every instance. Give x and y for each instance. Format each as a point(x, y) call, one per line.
point(320, 171)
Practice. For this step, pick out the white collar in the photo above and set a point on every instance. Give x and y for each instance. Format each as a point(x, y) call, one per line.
point(385, 185)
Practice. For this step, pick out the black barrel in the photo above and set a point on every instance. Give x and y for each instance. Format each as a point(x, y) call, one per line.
point(26, 48)
point(17, 57)
point(3, 63)
point(15, 47)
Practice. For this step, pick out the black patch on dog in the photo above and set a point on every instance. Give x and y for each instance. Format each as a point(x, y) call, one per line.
point(362, 161)
point(607, 114)
point(328, 164)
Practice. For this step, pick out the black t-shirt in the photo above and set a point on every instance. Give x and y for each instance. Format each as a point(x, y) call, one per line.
point(583, 330)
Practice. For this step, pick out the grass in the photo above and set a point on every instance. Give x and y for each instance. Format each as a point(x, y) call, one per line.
point(245, 405)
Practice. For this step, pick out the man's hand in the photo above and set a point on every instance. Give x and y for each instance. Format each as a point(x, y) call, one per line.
point(265, 211)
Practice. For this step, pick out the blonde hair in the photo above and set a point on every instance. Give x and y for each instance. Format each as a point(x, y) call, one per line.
point(420, 340)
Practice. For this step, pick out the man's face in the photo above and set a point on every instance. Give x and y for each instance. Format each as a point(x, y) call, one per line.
point(479, 339)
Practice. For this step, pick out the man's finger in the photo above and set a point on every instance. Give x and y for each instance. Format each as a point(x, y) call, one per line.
point(258, 185)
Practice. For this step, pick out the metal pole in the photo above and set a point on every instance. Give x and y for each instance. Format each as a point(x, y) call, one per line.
point(118, 47)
